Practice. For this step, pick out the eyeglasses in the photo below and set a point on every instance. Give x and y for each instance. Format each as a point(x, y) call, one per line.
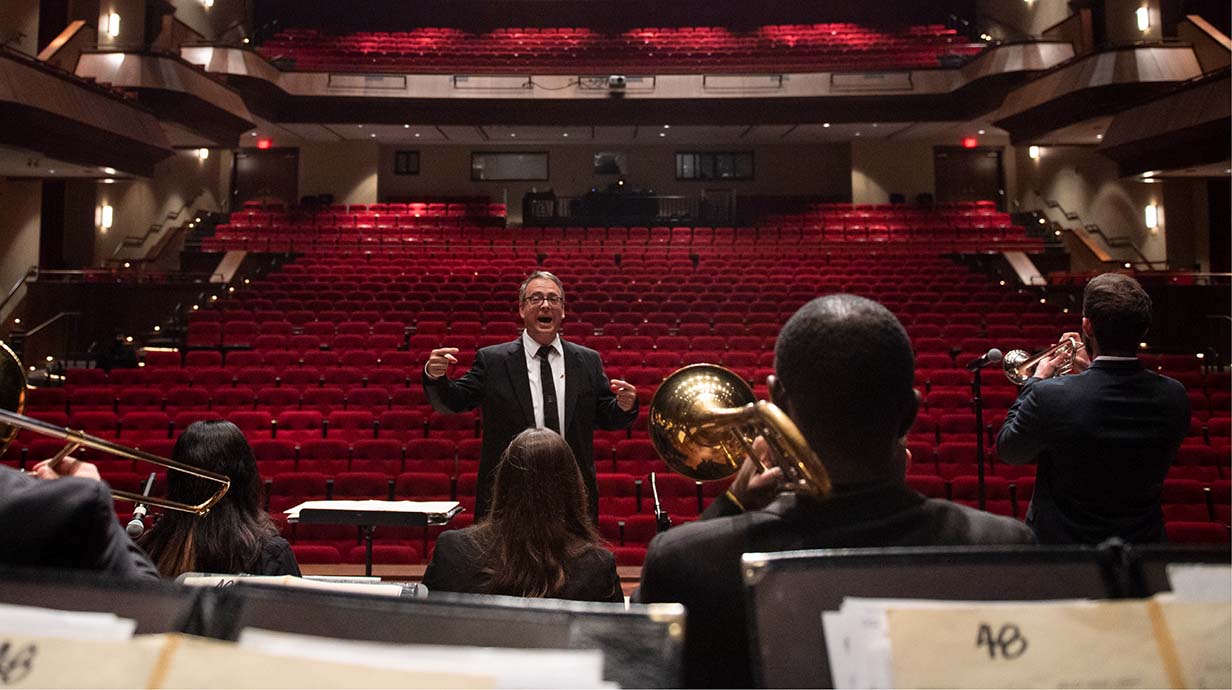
point(538, 300)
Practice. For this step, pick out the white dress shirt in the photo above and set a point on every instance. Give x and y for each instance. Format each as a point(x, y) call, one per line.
point(557, 361)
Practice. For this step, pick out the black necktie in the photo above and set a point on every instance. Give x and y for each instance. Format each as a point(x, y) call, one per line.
point(551, 417)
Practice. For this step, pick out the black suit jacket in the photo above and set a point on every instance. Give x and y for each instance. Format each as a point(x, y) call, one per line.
point(65, 523)
point(457, 566)
point(698, 564)
point(1102, 442)
point(498, 381)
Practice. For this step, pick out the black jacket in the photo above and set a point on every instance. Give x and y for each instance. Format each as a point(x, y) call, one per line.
point(1102, 442)
point(65, 523)
point(698, 564)
point(457, 566)
point(498, 381)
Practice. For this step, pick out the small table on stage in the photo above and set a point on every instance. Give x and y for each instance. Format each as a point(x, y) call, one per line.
point(369, 514)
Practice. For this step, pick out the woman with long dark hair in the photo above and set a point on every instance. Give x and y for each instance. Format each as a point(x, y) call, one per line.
point(538, 540)
point(237, 536)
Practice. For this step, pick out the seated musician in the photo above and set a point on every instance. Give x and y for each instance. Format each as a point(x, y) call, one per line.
point(844, 372)
point(237, 536)
point(65, 518)
point(1103, 439)
point(538, 540)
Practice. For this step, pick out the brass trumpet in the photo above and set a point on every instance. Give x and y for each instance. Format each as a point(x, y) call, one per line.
point(1019, 365)
point(12, 404)
point(704, 418)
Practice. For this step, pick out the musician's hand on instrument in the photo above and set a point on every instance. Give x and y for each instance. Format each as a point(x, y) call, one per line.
point(755, 489)
point(439, 361)
point(626, 394)
point(68, 467)
point(1047, 367)
point(1082, 360)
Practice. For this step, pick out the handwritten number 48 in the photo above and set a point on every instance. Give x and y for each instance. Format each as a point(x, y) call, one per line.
point(1008, 641)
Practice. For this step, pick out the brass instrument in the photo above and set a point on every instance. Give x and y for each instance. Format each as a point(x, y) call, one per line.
point(1019, 365)
point(12, 404)
point(704, 418)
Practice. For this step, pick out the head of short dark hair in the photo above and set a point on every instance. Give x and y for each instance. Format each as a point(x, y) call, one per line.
point(1119, 310)
point(846, 367)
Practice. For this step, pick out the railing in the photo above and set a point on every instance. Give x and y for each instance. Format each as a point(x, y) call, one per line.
point(31, 272)
point(130, 241)
point(58, 347)
point(1111, 241)
point(96, 275)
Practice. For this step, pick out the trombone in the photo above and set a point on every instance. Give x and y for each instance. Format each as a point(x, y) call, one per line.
point(1019, 365)
point(13, 402)
point(704, 419)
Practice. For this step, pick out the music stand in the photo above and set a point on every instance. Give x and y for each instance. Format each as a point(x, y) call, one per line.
point(368, 515)
point(786, 592)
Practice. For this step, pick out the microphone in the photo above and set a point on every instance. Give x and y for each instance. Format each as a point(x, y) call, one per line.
point(993, 356)
point(662, 520)
point(136, 526)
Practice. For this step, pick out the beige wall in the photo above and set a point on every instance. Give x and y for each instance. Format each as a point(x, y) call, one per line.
point(179, 181)
point(21, 16)
point(1122, 23)
point(1086, 183)
point(1012, 18)
point(882, 167)
point(19, 233)
point(1189, 224)
point(209, 22)
point(346, 170)
point(445, 170)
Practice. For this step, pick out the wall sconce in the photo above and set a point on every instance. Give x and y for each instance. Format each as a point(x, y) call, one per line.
point(203, 153)
point(207, 3)
point(1144, 18)
point(1150, 214)
point(113, 24)
point(104, 216)
point(1033, 152)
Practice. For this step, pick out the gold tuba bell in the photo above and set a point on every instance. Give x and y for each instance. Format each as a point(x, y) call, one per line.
point(12, 403)
point(704, 418)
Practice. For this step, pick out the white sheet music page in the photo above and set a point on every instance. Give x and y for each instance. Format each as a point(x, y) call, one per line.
point(428, 507)
point(512, 668)
point(1200, 582)
point(34, 621)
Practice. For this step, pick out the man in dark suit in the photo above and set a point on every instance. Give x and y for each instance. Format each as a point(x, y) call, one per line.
point(65, 519)
point(538, 380)
point(1103, 439)
point(844, 371)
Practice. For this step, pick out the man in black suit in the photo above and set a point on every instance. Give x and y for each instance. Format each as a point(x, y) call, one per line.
point(1102, 440)
point(844, 371)
point(65, 519)
point(538, 380)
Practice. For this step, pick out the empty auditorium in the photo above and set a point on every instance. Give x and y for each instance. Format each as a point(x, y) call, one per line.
point(615, 343)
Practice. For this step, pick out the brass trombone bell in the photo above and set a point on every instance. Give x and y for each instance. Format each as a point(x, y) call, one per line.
point(13, 400)
point(704, 419)
point(1019, 366)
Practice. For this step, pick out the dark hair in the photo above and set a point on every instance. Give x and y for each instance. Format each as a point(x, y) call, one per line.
point(230, 538)
point(1119, 310)
point(539, 518)
point(845, 365)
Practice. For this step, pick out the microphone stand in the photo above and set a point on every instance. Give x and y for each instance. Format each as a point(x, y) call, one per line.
point(978, 403)
point(662, 520)
point(136, 526)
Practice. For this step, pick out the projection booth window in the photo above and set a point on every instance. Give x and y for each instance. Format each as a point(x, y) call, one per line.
point(714, 165)
point(503, 165)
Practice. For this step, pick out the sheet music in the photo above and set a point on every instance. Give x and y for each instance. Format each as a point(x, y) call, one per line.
point(511, 668)
point(1200, 582)
point(428, 507)
point(374, 586)
point(72, 625)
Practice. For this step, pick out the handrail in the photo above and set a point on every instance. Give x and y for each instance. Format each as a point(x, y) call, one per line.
point(1210, 30)
point(52, 320)
point(140, 240)
point(32, 271)
point(59, 41)
point(177, 277)
point(1115, 242)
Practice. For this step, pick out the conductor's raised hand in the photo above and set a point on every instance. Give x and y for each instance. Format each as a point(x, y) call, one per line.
point(626, 394)
point(439, 362)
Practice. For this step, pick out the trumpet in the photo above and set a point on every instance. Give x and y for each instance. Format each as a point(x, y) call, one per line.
point(12, 404)
point(1019, 365)
point(704, 419)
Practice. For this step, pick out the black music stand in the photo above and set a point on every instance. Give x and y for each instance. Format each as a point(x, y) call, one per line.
point(977, 402)
point(368, 515)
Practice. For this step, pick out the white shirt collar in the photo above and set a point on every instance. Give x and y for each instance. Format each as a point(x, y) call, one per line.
point(532, 347)
point(1114, 358)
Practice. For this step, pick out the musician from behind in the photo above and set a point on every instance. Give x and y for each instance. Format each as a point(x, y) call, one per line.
point(237, 535)
point(64, 517)
point(1102, 439)
point(538, 540)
